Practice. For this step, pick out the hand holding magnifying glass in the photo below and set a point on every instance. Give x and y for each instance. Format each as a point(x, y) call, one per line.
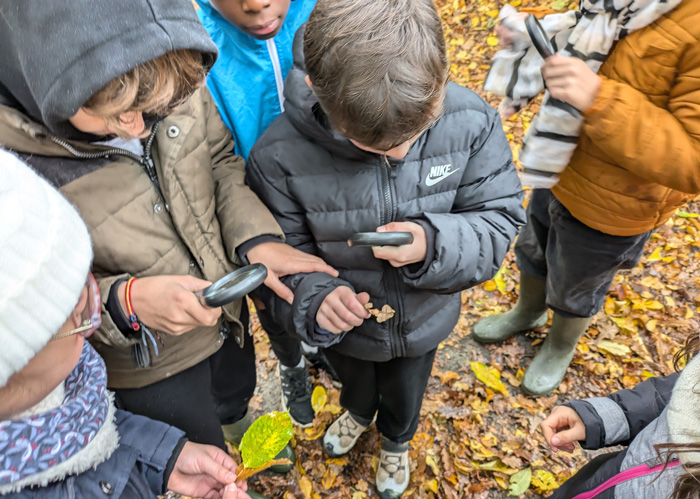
point(544, 47)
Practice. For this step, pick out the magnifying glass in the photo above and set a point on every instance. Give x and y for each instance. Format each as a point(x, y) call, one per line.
point(233, 286)
point(381, 238)
point(544, 47)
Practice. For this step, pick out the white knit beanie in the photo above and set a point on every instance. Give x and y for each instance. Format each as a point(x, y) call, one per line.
point(45, 256)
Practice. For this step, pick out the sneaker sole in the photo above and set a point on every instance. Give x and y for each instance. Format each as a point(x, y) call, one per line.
point(333, 454)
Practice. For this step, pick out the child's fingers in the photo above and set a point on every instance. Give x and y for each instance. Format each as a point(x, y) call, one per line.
point(575, 432)
point(353, 309)
point(551, 424)
point(547, 431)
point(279, 288)
point(395, 255)
point(329, 321)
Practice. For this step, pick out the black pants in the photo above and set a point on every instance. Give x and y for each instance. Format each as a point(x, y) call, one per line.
point(578, 263)
point(287, 348)
point(393, 390)
point(202, 398)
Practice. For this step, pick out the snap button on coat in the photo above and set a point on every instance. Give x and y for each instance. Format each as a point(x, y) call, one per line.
point(173, 131)
point(107, 488)
point(158, 208)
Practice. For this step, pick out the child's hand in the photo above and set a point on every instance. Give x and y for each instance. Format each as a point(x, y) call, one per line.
point(562, 428)
point(203, 471)
point(342, 310)
point(504, 34)
point(398, 256)
point(281, 260)
point(167, 303)
point(571, 80)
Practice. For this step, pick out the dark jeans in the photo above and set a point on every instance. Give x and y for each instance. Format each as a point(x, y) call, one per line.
point(393, 390)
point(287, 348)
point(578, 263)
point(202, 398)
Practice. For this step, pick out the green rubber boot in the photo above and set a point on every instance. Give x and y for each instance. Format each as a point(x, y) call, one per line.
point(255, 495)
point(529, 312)
point(548, 368)
point(233, 433)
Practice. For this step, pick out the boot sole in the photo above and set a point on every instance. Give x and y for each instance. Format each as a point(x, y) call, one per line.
point(489, 341)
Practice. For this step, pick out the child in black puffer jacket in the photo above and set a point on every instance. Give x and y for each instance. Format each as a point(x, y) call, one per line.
point(373, 139)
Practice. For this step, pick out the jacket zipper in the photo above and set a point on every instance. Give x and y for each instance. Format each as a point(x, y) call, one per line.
point(146, 161)
point(277, 68)
point(387, 215)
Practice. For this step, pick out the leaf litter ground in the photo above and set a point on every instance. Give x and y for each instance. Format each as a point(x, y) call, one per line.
point(478, 433)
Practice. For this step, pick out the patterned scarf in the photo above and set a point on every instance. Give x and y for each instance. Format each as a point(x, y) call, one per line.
point(77, 435)
point(588, 34)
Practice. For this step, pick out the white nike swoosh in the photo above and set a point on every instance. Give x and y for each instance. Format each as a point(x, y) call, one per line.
point(432, 181)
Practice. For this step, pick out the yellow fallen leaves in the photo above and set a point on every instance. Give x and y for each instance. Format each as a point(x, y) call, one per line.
point(613, 348)
point(544, 481)
point(492, 41)
point(497, 283)
point(318, 398)
point(490, 376)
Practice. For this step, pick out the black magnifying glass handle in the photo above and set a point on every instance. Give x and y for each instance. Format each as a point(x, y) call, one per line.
point(381, 238)
point(544, 47)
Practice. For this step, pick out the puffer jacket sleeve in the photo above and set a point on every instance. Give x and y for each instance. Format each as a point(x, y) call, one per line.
point(308, 289)
point(155, 442)
point(660, 145)
point(240, 212)
point(471, 241)
point(618, 418)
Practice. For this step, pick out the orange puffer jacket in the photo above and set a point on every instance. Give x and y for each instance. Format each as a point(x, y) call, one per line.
point(638, 157)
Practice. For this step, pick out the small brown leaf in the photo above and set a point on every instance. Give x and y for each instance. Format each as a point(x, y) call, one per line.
point(382, 315)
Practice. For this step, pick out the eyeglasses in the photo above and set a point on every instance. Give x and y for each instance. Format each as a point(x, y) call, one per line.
point(91, 314)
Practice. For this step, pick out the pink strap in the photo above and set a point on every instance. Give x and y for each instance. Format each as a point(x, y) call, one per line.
point(626, 475)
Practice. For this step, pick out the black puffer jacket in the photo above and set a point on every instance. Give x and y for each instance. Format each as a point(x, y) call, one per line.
point(458, 181)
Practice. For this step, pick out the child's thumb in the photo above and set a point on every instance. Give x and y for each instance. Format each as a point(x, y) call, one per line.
point(231, 491)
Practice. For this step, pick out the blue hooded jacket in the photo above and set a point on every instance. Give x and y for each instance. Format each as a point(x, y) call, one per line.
point(247, 81)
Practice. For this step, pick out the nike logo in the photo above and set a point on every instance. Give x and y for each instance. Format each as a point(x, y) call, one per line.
point(438, 174)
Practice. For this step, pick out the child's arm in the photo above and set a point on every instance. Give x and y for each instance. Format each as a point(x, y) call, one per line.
point(233, 197)
point(245, 220)
point(616, 419)
point(659, 144)
point(467, 245)
point(310, 289)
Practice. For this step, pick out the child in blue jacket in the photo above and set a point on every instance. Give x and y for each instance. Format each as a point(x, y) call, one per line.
point(254, 38)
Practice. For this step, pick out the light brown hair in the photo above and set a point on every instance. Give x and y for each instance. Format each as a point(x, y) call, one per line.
point(378, 67)
point(155, 87)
